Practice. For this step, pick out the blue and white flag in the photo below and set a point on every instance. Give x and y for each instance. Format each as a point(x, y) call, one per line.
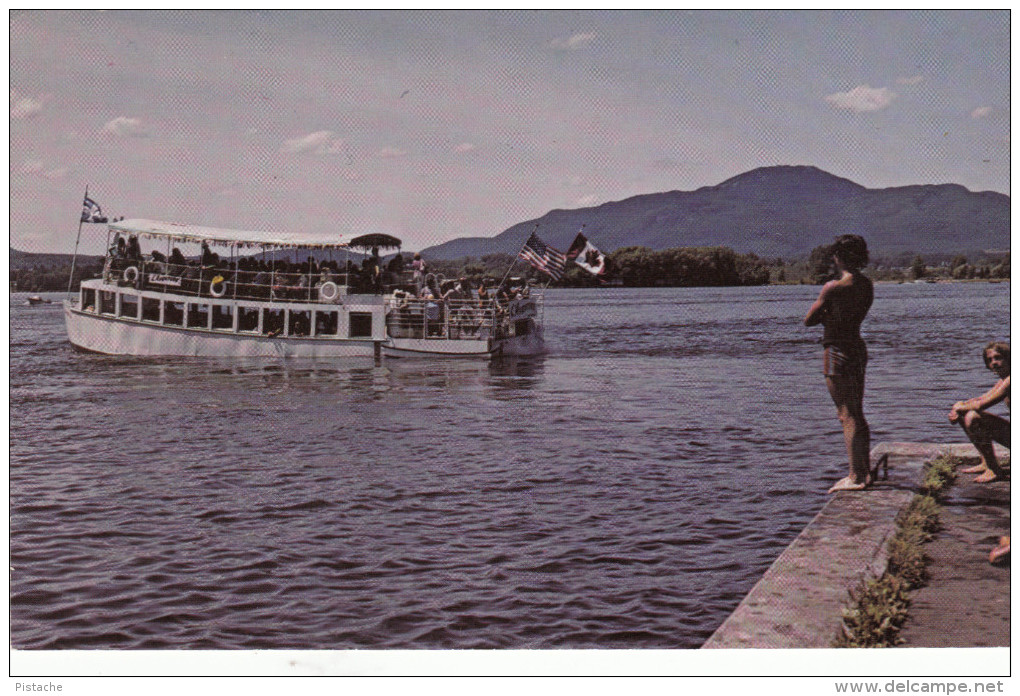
point(91, 212)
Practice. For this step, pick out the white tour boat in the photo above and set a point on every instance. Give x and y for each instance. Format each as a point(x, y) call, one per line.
point(238, 305)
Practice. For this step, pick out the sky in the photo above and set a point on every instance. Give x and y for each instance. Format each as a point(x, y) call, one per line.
point(436, 125)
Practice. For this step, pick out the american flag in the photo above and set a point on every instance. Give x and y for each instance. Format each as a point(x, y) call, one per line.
point(543, 257)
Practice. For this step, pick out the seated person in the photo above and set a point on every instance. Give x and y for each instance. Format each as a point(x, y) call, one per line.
point(177, 262)
point(984, 428)
point(134, 251)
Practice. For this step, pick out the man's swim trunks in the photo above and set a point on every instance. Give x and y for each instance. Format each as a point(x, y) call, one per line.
point(846, 360)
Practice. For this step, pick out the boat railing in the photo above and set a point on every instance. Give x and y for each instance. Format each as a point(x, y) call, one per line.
point(327, 287)
point(468, 318)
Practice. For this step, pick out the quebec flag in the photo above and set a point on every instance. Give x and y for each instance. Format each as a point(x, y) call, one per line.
point(91, 212)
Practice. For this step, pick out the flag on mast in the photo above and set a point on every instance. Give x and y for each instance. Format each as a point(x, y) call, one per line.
point(543, 257)
point(584, 254)
point(91, 212)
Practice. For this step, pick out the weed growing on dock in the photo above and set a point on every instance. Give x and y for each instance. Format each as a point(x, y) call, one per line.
point(939, 475)
point(878, 607)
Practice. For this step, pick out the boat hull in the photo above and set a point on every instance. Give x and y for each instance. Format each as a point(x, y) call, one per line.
point(111, 336)
point(532, 344)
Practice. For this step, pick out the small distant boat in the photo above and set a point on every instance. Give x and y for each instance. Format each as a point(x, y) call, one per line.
point(36, 300)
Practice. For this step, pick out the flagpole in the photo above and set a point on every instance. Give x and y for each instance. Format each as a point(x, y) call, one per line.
point(516, 258)
point(74, 259)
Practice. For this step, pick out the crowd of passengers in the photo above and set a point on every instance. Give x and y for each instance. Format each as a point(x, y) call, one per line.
point(250, 277)
point(247, 277)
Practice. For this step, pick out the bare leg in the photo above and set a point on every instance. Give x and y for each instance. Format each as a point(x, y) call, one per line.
point(1000, 552)
point(982, 429)
point(848, 395)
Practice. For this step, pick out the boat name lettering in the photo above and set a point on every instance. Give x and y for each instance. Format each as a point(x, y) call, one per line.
point(165, 279)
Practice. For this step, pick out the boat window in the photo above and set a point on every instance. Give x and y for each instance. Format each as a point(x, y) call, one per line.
point(173, 313)
point(223, 317)
point(198, 316)
point(272, 322)
point(107, 302)
point(326, 323)
point(150, 309)
point(129, 306)
point(247, 319)
point(522, 327)
point(88, 300)
point(300, 323)
point(361, 324)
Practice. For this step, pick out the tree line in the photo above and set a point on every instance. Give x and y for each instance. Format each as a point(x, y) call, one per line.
point(633, 266)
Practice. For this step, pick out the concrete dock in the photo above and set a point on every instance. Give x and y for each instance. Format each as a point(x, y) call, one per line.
point(798, 602)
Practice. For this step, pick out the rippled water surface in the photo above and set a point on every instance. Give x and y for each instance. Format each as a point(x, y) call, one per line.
point(624, 491)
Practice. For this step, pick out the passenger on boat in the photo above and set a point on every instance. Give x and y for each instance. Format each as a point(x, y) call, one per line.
point(302, 291)
point(156, 263)
point(324, 277)
point(209, 258)
point(483, 294)
point(134, 252)
point(177, 261)
point(418, 268)
point(433, 313)
point(261, 283)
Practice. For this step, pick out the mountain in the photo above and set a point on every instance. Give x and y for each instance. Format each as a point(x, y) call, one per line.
point(772, 211)
point(27, 259)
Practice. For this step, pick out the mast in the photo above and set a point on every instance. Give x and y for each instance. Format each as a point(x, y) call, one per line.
point(516, 259)
point(74, 259)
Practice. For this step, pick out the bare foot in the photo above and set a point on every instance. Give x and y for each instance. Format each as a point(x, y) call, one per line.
point(976, 469)
point(849, 484)
point(987, 477)
point(1000, 552)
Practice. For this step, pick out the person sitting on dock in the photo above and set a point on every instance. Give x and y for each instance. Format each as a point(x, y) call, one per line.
point(984, 428)
point(840, 308)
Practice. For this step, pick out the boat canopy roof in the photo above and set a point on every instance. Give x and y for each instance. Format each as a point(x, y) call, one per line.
point(376, 239)
point(238, 238)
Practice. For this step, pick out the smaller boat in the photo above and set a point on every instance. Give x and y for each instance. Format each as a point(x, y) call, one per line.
point(36, 300)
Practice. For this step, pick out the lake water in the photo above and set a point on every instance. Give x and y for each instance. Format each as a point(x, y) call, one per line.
point(624, 491)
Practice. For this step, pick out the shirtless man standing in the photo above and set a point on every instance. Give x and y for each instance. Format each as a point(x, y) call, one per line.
point(841, 307)
point(982, 427)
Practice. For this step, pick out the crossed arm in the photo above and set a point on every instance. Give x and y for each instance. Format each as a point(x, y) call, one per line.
point(980, 403)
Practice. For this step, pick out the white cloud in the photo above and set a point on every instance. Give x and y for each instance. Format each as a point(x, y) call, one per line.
point(25, 107)
point(37, 168)
point(321, 142)
point(981, 112)
point(916, 79)
point(391, 152)
point(572, 43)
point(464, 147)
point(123, 126)
point(862, 98)
point(586, 201)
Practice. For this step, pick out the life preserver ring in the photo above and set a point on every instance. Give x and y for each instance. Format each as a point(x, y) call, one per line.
point(329, 291)
point(218, 287)
point(131, 274)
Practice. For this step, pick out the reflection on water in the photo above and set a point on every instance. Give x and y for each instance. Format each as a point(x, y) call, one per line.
point(624, 490)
